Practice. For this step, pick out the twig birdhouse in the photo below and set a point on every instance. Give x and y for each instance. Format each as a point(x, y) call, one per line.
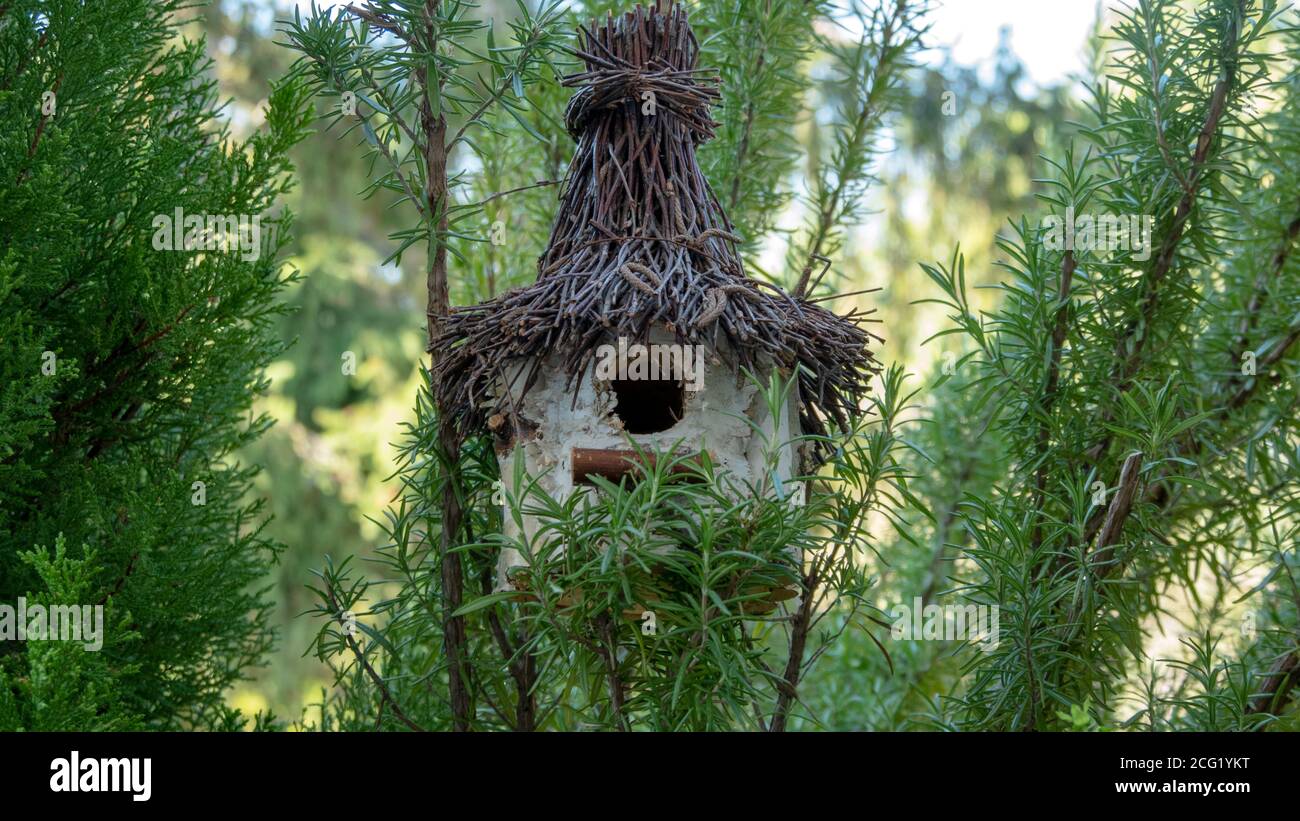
point(642, 324)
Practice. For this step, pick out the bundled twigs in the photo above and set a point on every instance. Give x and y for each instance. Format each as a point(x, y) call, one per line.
point(640, 240)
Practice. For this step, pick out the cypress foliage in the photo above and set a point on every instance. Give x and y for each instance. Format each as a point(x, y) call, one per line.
point(127, 370)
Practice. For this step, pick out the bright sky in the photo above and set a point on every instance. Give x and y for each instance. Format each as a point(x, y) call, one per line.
point(1047, 35)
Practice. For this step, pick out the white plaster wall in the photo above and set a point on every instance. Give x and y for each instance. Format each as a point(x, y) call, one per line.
point(581, 416)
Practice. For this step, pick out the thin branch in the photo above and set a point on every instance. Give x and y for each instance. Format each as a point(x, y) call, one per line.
point(381, 21)
point(1101, 562)
point(1278, 684)
point(1059, 331)
point(788, 684)
point(1116, 515)
point(498, 195)
point(438, 306)
point(385, 695)
point(25, 171)
point(872, 108)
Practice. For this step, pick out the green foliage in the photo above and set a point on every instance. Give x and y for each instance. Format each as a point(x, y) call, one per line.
point(1071, 366)
point(402, 81)
point(68, 688)
point(864, 83)
point(127, 371)
point(684, 541)
point(760, 51)
point(1113, 374)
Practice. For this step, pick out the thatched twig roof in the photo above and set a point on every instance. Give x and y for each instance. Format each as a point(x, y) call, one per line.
point(640, 239)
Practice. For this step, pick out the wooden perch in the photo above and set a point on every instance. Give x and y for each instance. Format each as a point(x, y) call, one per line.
point(613, 464)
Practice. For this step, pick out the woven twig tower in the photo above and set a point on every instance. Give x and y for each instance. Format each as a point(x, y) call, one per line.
point(641, 242)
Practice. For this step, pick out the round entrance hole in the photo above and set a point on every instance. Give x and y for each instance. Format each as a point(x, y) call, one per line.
point(648, 405)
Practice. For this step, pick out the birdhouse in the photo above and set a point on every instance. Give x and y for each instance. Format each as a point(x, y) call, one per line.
point(642, 330)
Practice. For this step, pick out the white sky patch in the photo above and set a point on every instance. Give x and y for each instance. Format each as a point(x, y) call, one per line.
point(1047, 35)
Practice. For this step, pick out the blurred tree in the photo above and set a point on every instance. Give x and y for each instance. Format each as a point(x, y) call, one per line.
point(326, 458)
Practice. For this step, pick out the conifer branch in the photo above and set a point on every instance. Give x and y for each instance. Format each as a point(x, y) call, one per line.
point(1258, 299)
point(8, 82)
point(1237, 387)
point(25, 171)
